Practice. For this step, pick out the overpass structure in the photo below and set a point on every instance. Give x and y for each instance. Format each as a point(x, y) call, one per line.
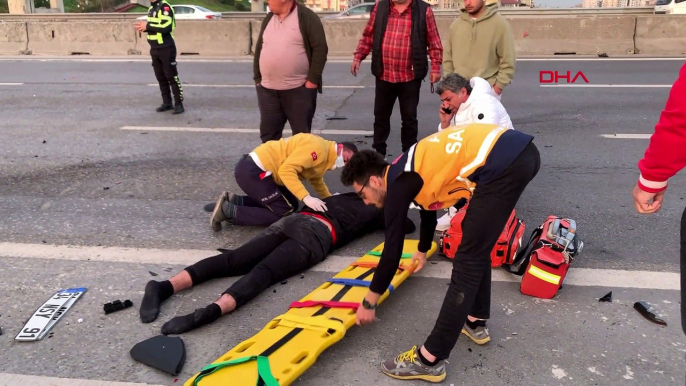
point(537, 32)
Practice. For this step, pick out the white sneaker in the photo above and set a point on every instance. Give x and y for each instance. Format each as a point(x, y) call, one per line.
point(444, 222)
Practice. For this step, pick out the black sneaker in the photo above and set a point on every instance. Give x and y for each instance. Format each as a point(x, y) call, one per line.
point(164, 107)
point(178, 109)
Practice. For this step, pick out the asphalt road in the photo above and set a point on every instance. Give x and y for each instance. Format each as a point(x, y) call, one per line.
point(70, 176)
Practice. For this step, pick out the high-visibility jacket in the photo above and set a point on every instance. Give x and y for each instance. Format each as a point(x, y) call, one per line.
point(161, 24)
point(453, 161)
point(302, 156)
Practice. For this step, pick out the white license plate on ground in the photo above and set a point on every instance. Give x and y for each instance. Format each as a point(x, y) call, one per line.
point(47, 315)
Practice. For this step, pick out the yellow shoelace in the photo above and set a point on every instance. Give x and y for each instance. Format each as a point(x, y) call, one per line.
point(407, 355)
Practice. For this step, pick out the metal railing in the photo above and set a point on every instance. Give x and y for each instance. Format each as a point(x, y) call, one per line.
point(633, 11)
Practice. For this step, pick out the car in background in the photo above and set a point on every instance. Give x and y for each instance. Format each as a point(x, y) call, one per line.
point(360, 11)
point(674, 7)
point(192, 12)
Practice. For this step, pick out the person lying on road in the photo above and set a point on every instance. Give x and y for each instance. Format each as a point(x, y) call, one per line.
point(291, 245)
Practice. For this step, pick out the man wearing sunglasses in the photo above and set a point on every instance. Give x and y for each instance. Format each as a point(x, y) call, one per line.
point(485, 163)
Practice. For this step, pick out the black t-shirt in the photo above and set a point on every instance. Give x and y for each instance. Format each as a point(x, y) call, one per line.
point(352, 218)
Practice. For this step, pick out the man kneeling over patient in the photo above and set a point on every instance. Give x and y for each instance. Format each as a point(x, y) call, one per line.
point(289, 246)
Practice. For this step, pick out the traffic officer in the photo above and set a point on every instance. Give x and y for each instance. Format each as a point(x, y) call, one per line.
point(271, 177)
point(492, 165)
point(160, 27)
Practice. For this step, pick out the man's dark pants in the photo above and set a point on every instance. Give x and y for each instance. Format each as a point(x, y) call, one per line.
point(266, 202)
point(273, 256)
point(407, 94)
point(470, 283)
point(297, 106)
point(164, 64)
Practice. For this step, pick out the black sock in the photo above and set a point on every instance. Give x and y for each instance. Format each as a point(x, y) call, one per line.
point(155, 293)
point(476, 323)
point(198, 318)
point(424, 360)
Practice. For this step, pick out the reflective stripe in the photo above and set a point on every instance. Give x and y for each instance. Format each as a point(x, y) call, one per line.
point(483, 151)
point(545, 276)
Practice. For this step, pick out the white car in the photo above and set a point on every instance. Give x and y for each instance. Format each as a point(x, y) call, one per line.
point(361, 11)
point(192, 12)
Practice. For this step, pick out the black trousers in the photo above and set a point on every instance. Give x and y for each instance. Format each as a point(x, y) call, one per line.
point(266, 202)
point(267, 259)
point(470, 282)
point(164, 64)
point(297, 106)
point(683, 271)
point(386, 93)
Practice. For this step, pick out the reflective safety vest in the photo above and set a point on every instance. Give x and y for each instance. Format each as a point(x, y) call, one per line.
point(161, 24)
point(445, 161)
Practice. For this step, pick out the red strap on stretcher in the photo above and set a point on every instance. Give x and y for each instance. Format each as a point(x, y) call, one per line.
point(325, 303)
point(369, 264)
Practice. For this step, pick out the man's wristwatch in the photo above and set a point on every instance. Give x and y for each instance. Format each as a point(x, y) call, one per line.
point(367, 305)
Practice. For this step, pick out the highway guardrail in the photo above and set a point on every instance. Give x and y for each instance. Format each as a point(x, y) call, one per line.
point(633, 11)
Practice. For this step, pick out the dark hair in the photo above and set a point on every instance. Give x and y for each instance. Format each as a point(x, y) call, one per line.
point(349, 146)
point(453, 82)
point(361, 166)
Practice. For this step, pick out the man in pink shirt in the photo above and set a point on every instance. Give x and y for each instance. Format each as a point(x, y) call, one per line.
point(290, 55)
point(665, 156)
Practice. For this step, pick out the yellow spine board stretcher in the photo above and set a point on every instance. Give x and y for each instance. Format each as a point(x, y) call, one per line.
point(290, 343)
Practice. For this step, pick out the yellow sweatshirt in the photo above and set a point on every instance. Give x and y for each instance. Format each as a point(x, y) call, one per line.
point(483, 47)
point(302, 156)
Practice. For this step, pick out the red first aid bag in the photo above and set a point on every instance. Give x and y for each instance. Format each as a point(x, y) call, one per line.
point(547, 257)
point(505, 248)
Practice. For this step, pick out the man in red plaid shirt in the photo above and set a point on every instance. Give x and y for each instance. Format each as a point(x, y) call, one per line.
point(400, 34)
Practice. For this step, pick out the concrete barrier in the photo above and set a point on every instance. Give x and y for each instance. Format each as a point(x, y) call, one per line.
point(211, 38)
point(661, 34)
point(579, 35)
point(74, 38)
point(343, 37)
point(544, 35)
point(13, 38)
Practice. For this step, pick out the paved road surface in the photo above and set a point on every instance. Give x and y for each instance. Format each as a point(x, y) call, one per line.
point(70, 176)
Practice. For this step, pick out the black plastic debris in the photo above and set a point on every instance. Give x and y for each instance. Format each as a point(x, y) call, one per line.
point(0, 330)
point(648, 312)
point(161, 352)
point(606, 298)
point(116, 305)
point(336, 118)
point(152, 273)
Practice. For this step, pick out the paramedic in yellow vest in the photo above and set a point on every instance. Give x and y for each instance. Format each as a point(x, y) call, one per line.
point(160, 29)
point(434, 174)
point(271, 177)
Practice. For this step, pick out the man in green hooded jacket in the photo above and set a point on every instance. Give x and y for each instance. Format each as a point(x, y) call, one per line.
point(480, 43)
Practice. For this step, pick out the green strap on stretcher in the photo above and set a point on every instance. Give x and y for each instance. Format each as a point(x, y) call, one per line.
point(263, 369)
point(403, 256)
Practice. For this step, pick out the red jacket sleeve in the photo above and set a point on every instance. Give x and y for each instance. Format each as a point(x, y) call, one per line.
point(666, 153)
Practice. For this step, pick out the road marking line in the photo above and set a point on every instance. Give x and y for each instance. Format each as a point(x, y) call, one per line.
point(609, 85)
point(20, 379)
point(627, 136)
point(573, 59)
point(587, 277)
point(242, 130)
point(250, 86)
point(11, 84)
